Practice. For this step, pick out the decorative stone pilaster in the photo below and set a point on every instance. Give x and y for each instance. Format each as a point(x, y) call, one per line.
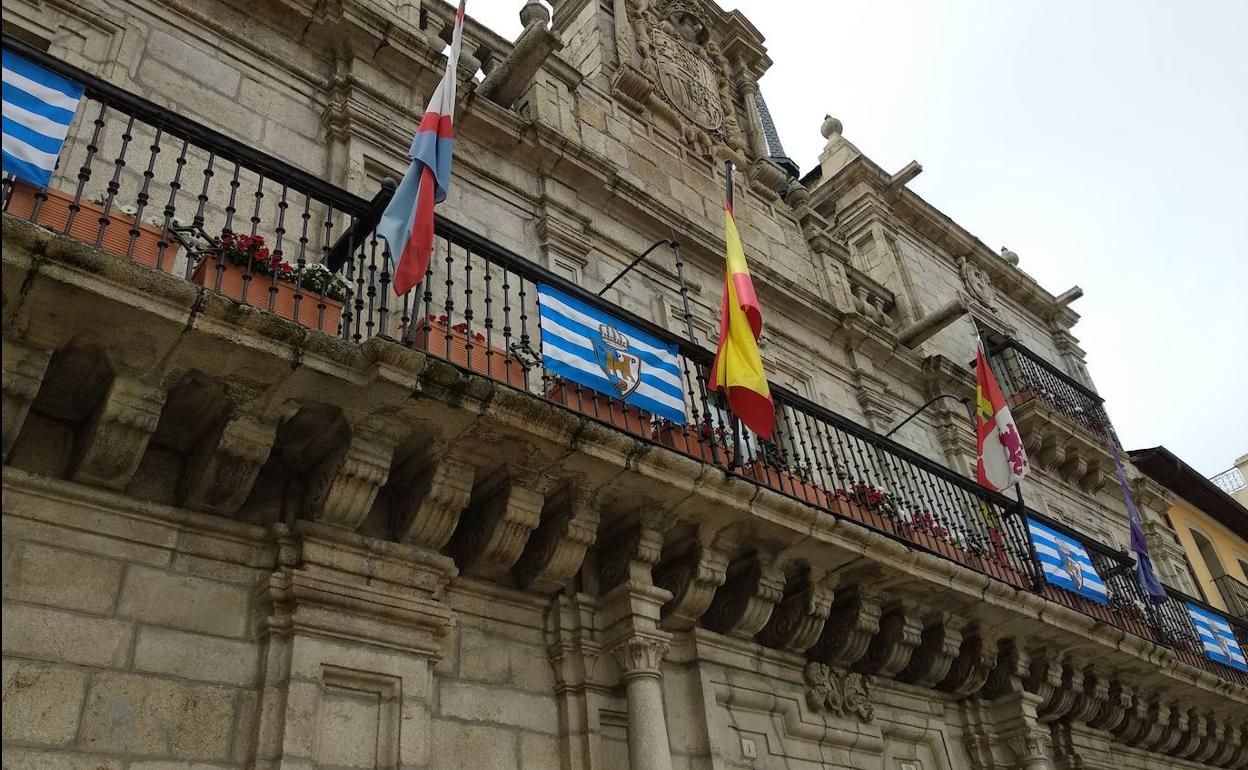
point(556, 549)
point(113, 442)
point(344, 484)
point(692, 570)
point(23, 370)
point(853, 621)
point(343, 612)
point(630, 613)
point(428, 494)
point(797, 621)
point(1031, 748)
point(492, 534)
point(222, 468)
point(939, 643)
point(970, 669)
point(900, 634)
point(744, 603)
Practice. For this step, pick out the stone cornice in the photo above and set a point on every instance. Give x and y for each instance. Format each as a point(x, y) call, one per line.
point(953, 239)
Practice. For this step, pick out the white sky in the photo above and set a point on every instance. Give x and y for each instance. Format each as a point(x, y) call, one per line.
point(1105, 141)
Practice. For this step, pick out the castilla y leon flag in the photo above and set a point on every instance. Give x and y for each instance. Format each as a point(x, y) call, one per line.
point(407, 223)
point(1002, 460)
point(738, 368)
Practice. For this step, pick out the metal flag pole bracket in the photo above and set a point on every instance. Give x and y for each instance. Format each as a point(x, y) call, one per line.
point(964, 400)
point(637, 260)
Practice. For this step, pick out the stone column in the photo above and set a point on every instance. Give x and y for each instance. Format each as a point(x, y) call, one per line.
point(639, 657)
point(630, 611)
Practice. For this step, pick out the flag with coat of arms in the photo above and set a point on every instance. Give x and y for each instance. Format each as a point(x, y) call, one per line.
point(1001, 460)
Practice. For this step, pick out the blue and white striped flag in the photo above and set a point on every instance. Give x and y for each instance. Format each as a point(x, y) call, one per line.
point(1066, 563)
point(1217, 638)
point(587, 346)
point(39, 105)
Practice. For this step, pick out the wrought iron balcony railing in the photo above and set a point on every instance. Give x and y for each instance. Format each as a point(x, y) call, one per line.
point(1230, 481)
point(1024, 375)
point(1234, 594)
point(148, 184)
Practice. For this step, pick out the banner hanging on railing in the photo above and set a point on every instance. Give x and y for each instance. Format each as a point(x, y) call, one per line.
point(587, 346)
point(1066, 563)
point(1217, 638)
point(39, 105)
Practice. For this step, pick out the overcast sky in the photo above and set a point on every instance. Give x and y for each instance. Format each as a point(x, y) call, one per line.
point(1105, 141)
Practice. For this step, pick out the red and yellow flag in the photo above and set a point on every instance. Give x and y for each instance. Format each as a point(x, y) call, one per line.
point(1002, 461)
point(738, 368)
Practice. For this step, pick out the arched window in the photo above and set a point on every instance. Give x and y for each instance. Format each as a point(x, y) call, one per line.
point(1208, 554)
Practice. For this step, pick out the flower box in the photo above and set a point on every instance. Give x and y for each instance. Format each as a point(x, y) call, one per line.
point(233, 280)
point(430, 336)
point(689, 441)
point(54, 213)
point(786, 482)
point(591, 403)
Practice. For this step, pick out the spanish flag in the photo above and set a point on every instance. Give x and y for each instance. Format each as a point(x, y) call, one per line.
point(738, 368)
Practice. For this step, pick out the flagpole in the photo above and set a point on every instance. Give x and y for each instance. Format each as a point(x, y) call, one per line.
point(736, 421)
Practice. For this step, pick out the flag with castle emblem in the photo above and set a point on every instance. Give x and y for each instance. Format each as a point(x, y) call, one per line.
point(587, 346)
point(407, 223)
point(1216, 637)
point(1002, 461)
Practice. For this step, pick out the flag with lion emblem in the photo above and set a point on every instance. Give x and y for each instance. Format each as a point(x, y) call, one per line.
point(1002, 461)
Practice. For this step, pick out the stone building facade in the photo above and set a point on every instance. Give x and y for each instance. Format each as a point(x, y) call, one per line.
point(233, 541)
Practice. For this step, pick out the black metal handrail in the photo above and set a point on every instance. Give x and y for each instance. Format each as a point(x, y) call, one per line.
point(1023, 374)
point(1235, 594)
point(1048, 367)
point(478, 308)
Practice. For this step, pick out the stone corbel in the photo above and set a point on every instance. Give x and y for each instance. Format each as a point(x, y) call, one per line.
point(797, 621)
point(767, 178)
point(1231, 744)
point(344, 484)
point(1238, 759)
point(970, 669)
point(428, 494)
point(692, 571)
point(901, 632)
point(1172, 732)
point(1114, 708)
point(113, 442)
point(743, 605)
point(493, 532)
point(939, 643)
point(222, 467)
point(1065, 695)
point(23, 371)
point(556, 549)
point(1193, 737)
point(638, 545)
point(852, 623)
point(509, 78)
point(1135, 722)
point(1013, 673)
point(1214, 737)
point(1092, 695)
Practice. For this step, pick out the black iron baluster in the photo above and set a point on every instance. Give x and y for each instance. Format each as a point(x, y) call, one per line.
point(197, 222)
point(372, 283)
point(251, 253)
point(348, 268)
point(448, 306)
point(489, 326)
point(524, 336)
point(278, 251)
point(171, 208)
point(468, 351)
point(383, 311)
point(332, 279)
point(140, 204)
point(114, 184)
point(84, 171)
point(230, 210)
point(301, 261)
point(359, 290)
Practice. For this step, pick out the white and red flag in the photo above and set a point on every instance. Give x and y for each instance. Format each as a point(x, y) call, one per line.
point(1002, 461)
point(407, 223)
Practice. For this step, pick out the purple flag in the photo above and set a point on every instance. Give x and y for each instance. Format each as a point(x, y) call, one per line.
point(1144, 566)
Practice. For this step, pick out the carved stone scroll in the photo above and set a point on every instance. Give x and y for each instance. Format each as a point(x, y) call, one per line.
point(797, 621)
point(693, 571)
point(113, 442)
point(555, 551)
point(492, 534)
point(427, 497)
point(853, 621)
point(343, 486)
point(222, 467)
point(744, 603)
point(938, 646)
point(899, 636)
point(970, 669)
